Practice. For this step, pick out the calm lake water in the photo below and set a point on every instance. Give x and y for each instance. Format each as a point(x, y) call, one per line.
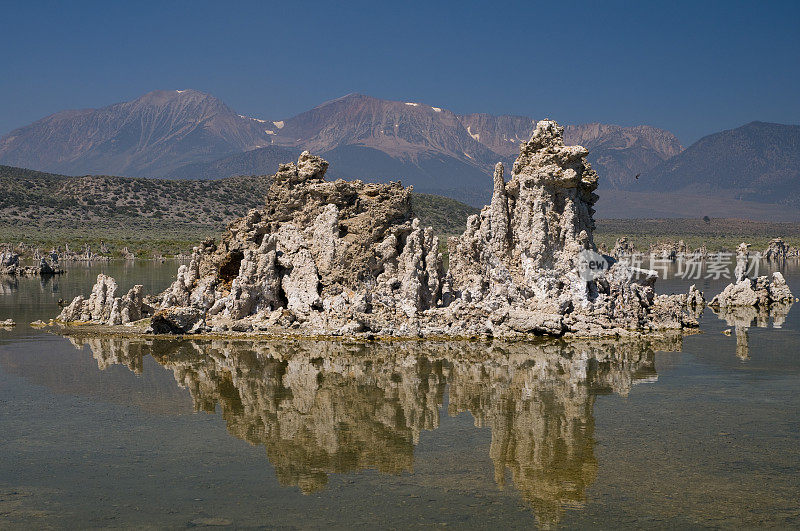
point(668, 432)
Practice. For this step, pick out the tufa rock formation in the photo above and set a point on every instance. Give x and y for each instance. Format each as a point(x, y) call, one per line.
point(516, 267)
point(10, 265)
point(622, 247)
point(669, 250)
point(761, 292)
point(349, 258)
point(776, 250)
point(103, 307)
point(9, 259)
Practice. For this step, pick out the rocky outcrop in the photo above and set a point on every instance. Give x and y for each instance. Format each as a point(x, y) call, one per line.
point(517, 266)
point(695, 299)
point(177, 320)
point(669, 250)
point(349, 258)
point(761, 292)
point(622, 247)
point(776, 250)
point(103, 307)
point(743, 251)
point(10, 265)
point(758, 292)
point(9, 259)
point(49, 267)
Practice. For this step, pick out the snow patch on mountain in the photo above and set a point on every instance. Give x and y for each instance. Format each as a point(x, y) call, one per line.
point(251, 118)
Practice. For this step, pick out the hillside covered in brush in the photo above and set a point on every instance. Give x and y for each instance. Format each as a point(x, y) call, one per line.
point(40, 200)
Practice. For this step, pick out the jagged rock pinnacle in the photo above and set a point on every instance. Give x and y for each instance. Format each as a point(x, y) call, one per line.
point(349, 258)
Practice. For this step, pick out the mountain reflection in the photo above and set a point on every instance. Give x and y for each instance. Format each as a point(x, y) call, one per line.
point(329, 407)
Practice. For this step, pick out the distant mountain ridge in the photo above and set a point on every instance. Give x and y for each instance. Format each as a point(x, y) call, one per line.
point(415, 133)
point(261, 161)
point(191, 134)
point(400, 129)
point(620, 153)
point(148, 136)
point(758, 161)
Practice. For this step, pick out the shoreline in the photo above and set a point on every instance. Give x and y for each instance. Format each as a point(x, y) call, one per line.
point(134, 330)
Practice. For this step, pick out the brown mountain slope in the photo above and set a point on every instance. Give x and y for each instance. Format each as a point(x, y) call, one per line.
point(148, 136)
point(189, 134)
point(757, 162)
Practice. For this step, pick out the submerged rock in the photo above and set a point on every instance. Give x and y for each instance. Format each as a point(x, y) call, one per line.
point(177, 320)
point(349, 258)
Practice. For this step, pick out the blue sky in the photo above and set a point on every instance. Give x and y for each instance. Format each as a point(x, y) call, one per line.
point(691, 67)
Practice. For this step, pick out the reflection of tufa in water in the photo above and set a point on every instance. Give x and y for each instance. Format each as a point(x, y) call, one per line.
point(8, 285)
point(350, 258)
point(743, 317)
point(329, 407)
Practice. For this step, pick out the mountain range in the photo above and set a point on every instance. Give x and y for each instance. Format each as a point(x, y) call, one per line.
point(150, 135)
point(757, 162)
point(190, 134)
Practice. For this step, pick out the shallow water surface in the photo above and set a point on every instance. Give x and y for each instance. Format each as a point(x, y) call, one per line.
point(696, 431)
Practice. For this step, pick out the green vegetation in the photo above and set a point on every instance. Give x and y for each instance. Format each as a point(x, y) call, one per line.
point(716, 233)
point(143, 240)
point(71, 201)
point(148, 215)
point(145, 215)
point(171, 216)
point(447, 216)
